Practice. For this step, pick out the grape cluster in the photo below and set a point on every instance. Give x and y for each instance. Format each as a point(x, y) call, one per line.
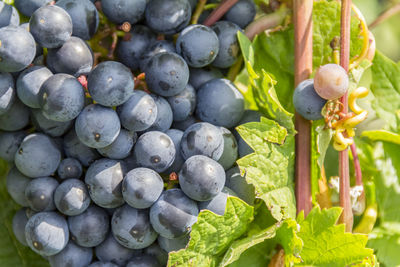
point(112, 161)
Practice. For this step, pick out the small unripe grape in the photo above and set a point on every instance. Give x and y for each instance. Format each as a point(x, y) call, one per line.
point(331, 81)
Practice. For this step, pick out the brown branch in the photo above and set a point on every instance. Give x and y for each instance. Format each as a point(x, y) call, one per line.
point(303, 68)
point(219, 12)
point(344, 194)
point(385, 15)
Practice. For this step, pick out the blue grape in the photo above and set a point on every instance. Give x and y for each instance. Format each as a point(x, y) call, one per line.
point(199, 76)
point(241, 13)
point(164, 115)
point(198, 45)
point(39, 194)
point(51, 26)
point(176, 137)
point(237, 182)
point(49, 127)
point(111, 251)
point(307, 102)
point(29, 83)
point(143, 261)
point(157, 47)
point(154, 150)
point(37, 156)
point(104, 180)
point(9, 144)
point(131, 228)
point(69, 168)
point(47, 233)
point(7, 92)
point(121, 147)
point(84, 16)
point(39, 58)
point(139, 112)
point(74, 57)
point(72, 255)
point(168, 17)
point(18, 225)
point(89, 228)
point(167, 74)
point(201, 178)
point(102, 264)
point(173, 214)
point(132, 47)
point(16, 118)
point(97, 126)
point(202, 139)
point(110, 83)
point(16, 183)
point(183, 125)
point(230, 154)
point(120, 11)
point(130, 162)
point(248, 116)
point(17, 49)
point(173, 244)
point(218, 203)
point(74, 148)
point(183, 104)
point(155, 251)
point(228, 43)
point(8, 15)
point(142, 187)
point(220, 103)
point(27, 7)
point(71, 197)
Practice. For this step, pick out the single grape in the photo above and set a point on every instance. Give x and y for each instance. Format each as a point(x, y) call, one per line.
point(111, 251)
point(47, 233)
point(37, 156)
point(173, 214)
point(8, 15)
point(143, 261)
point(90, 228)
point(168, 17)
point(230, 154)
point(121, 147)
point(69, 168)
point(71, 197)
point(228, 43)
point(110, 83)
point(29, 83)
point(16, 183)
point(49, 127)
point(173, 244)
point(307, 102)
point(39, 194)
point(201, 178)
point(219, 102)
point(139, 112)
point(104, 181)
point(27, 7)
point(202, 139)
point(9, 144)
point(241, 13)
point(120, 11)
point(183, 125)
point(199, 76)
point(19, 222)
point(84, 16)
point(142, 187)
point(155, 150)
point(237, 182)
point(176, 137)
point(72, 255)
point(74, 57)
point(16, 118)
point(39, 58)
point(132, 47)
point(157, 47)
point(183, 104)
point(218, 203)
point(167, 74)
point(248, 116)
point(7, 92)
point(97, 126)
point(155, 251)
point(164, 115)
point(331, 81)
point(131, 227)
point(17, 49)
point(102, 264)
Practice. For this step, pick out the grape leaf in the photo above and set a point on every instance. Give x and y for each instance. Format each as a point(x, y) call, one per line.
point(212, 234)
point(382, 135)
point(386, 245)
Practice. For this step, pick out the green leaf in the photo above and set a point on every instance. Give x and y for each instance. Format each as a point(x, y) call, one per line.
point(287, 236)
point(386, 245)
point(270, 169)
point(382, 135)
point(212, 234)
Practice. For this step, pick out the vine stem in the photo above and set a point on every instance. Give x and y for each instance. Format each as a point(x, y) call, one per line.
point(385, 15)
point(357, 167)
point(219, 12)
point(344, 174)
point(199, 8)
point(303, 68)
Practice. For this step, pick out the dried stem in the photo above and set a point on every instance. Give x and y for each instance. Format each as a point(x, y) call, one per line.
point(344, 194)
point(219, 12)
point(385, 15)
point(303, 68)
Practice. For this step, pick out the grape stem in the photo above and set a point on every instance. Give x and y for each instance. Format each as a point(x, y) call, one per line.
point(219, 12)
point(199, 9)
point(385, 15)
point(344, 174)
point(303, 67)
